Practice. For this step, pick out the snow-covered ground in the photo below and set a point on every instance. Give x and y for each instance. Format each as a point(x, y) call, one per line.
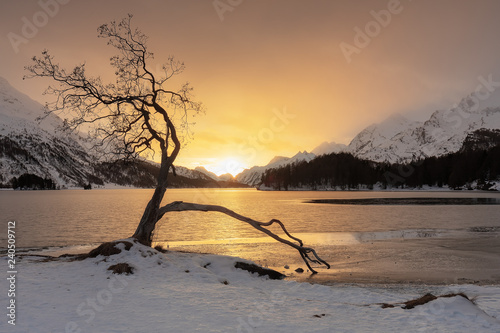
point(182, 292)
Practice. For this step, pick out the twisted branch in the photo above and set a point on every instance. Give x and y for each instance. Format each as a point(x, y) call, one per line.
point(178, 206)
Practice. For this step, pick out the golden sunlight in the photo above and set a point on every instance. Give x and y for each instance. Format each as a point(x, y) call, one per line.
point(226, 165)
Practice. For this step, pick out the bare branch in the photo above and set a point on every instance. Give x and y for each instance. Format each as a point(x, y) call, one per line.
point(136, 114)
point(179, 206)
point(126, 109)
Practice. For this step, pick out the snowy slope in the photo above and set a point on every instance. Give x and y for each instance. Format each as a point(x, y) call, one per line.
point(483, 139)
point(17, 110)
point(329, 148)
point(29, 146)
point(227, 177)
point(253, 175)
point(187, 292)
point(377, 142)
point(192, 174)
point(400, 140)
point(39, 147)
point(204, 171)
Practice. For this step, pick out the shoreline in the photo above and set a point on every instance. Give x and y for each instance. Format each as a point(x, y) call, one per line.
point(214, 296)
point(401, 279)
point(430, 189)
point(435, 261)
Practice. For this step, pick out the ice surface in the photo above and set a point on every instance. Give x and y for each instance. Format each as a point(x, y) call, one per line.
point(182, 292)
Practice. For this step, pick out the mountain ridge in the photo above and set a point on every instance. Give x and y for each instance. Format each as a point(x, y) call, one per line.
point(37, 147)
point(400, 140)
point(30, 146)
point(253, 175)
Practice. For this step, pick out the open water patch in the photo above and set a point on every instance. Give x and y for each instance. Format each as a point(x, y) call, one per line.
point(323, 238)
point(409, 201)
point(484, 229)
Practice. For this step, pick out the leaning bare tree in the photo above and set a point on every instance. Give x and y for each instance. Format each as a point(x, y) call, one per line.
point(134, 116)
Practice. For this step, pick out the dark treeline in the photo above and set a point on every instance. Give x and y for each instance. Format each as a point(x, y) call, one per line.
point(134, 173)
point(30, 181)
point(143, 174)
point(344, 171)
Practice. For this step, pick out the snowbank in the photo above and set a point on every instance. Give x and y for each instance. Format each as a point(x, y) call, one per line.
point(183, 292)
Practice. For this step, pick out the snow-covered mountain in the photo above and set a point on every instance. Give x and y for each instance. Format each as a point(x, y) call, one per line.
point(376, 142)
point(207, 173)
point(483, 139)
point(27, 146)
point(253, 175)
point(193, 174)
point(328, 148)
point(18, 110)
point(227, 177)
point(398, 139)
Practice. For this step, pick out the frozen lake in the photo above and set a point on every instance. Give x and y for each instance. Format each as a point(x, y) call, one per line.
point(438, 237)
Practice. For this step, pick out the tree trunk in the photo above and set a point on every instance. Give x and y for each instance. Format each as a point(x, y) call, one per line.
point(150, 216)
point(144, 231)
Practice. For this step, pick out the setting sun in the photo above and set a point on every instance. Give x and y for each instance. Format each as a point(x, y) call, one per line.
point(223, 166)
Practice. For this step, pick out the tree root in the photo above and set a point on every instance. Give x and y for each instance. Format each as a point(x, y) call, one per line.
point(422, 300)
point(305, 252)
point(261, 271)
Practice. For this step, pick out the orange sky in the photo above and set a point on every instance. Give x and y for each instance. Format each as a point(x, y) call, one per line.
point(281, 76)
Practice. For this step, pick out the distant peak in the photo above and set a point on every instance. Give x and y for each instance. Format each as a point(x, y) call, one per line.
point(396, 118)
point(277, 159)
point(301, 153)
point(328, 148)
point(468, 104)
point(200, 168)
